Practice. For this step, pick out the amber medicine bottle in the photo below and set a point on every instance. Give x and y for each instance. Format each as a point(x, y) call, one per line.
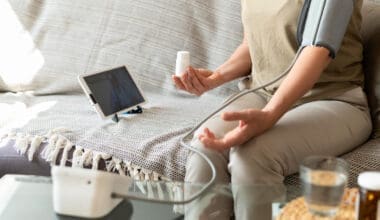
point(369, 196)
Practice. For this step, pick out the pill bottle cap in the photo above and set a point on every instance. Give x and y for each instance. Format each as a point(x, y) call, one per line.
point(369, 180)
point(183, 54)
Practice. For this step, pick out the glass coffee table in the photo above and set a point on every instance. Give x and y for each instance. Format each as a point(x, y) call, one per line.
point(30, 197)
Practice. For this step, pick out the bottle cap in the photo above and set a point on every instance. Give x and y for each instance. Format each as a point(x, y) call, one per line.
point(183, 54)
point(369, 180)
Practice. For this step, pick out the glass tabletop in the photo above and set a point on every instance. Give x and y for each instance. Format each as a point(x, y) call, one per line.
point(31, 197)
point(221, 201)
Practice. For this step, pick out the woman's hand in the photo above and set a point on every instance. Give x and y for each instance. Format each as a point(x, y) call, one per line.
point(197, 81)
point(252, 122)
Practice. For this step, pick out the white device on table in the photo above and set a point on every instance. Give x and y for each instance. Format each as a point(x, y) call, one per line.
point(182, 62)
point(86, 193)
point(112, 91)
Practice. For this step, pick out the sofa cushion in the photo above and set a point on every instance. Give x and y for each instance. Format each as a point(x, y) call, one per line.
point(371, 36)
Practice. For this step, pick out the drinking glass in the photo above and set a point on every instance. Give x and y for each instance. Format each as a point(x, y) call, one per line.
point(324, 179)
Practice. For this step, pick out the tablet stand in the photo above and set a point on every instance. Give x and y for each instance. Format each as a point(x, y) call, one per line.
point(115, 118)
point(137, 110)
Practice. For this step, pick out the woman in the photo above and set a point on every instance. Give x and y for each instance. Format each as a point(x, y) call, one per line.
point(319, 108)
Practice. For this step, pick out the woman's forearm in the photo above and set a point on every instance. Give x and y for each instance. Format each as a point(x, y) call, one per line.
point(304, 74)
point(238, 65)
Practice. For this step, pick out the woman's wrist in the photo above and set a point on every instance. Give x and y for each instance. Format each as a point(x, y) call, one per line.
point(273, 114)
point(219, 78)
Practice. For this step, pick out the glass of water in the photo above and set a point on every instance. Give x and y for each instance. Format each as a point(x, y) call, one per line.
point(324, 179)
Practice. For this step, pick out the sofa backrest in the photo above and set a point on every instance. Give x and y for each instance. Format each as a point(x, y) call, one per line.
point(371, 42)
point(46, 43)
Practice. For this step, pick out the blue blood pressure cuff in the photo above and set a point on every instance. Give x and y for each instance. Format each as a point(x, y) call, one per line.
point(324, 23)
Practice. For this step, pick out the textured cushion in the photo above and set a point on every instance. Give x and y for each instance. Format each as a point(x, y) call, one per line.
point(45, 44)
point(371, 36)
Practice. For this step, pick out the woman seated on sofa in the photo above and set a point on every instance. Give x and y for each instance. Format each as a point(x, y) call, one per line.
point(319, 108)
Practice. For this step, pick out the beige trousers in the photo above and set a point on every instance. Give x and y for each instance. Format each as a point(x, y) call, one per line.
point(324, 127)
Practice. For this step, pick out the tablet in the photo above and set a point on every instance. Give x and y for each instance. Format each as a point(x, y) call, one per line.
point(112, 91)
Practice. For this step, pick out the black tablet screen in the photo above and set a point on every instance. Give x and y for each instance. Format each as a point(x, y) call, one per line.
point(114, 90)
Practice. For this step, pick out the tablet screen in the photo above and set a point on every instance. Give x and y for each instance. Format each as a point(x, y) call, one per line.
point(114, 90)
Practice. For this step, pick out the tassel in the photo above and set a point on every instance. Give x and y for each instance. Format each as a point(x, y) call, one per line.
point(110, 165)
point(129, 168)
point(3, 137)
point(18, 138)
point(156, 176)
point(148, 175)
point(86, 158)
point(50, 147)
point(119, 167)
point(34, 146)
point(60, 144)
point(23, 145)
point(136, 172)
point(95, 161)
point(65, 153)
point(77, 156)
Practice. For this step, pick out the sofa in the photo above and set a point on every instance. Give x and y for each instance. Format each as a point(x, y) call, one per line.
point(46, 119)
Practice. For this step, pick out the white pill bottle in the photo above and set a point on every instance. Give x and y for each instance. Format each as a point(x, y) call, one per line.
point(182, 62)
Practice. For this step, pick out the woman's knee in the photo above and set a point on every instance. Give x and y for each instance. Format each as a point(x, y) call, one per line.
point(256, 163)
point(198, 170)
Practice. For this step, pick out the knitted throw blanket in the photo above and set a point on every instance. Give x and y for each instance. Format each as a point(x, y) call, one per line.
point(144, 146)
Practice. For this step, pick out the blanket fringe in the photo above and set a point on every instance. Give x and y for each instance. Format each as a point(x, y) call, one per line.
point(50, 147)
point(65, 153)
point(34, 146)
point(22, 143)
point(77, 155)
point(28, 145)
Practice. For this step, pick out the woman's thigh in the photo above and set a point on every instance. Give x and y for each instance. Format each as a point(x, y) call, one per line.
point(197, 169)
point(315, 128)
point(221, 127)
